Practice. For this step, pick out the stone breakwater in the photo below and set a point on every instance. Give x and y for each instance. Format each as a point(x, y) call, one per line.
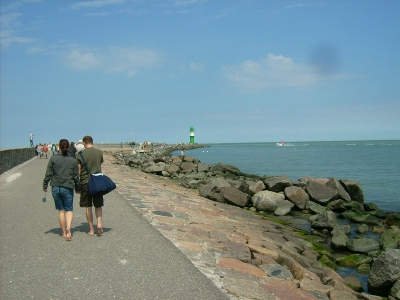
point(322, 201)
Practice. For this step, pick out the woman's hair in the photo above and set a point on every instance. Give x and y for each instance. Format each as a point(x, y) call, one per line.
point(64, 146)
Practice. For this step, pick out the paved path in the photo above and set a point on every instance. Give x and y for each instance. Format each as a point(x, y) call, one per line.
point(131, 260)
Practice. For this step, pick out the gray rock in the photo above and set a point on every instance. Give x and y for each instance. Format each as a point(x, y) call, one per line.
point(321, 193)
point(339, 240)
point(362, 245)
point(267, 200)
point(201, 167)
point(362, 228)
point(335, 184)
point(298, 196)
point(284, 208)
point(395, 291)
point(353, 282)
point(353, 188)
point(316, 208)
point(390, 238)
point(214, 189)
point(173, 169)
point(235, 197)
point(188, 167)
point(253, 187)
point(221, 167)
point(326, 219)
point(385, 271)
point(277, 271)
point(277, 183)
point(154, 168)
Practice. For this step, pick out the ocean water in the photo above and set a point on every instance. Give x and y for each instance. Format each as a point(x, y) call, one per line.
point(375, 164)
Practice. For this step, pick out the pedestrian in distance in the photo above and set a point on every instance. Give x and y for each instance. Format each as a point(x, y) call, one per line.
point(62, 173)
point(94, 159)
point(72, 150)
point(31, 139)
point(45, 150)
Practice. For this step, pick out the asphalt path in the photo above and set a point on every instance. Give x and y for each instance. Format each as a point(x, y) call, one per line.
point(131, 260)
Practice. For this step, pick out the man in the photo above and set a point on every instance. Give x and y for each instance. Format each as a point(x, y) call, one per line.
point(79, 146)
point(94, 159)
point(31, 139)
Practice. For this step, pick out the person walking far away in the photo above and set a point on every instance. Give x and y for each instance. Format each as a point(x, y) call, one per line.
point(45, 149)
point(31, 139)
point(94, 159)
point(62, 172)
point(72, 150)
point(79, 146)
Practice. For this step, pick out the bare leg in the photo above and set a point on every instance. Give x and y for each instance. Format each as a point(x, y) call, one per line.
point(69, 215)
point(89, 217)
point(99, 215)
point(61, 219)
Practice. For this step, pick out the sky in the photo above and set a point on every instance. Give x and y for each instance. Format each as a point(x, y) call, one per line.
point(235, 70)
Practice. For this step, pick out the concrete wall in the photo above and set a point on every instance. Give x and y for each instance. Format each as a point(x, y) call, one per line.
point(13, 157)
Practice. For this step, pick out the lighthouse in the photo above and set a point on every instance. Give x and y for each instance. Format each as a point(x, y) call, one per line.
point(191, 135)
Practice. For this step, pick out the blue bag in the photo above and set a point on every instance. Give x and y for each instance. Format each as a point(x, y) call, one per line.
point(99, 184)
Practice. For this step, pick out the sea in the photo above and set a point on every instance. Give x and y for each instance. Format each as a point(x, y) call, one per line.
point(375, 164)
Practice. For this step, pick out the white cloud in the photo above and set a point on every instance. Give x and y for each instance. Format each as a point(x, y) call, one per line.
point(127, 60)
point(96, 3)
point(273, 71)
point(197, 66)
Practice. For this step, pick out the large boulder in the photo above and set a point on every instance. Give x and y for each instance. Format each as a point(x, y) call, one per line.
point(277, 183)
point(395, 291)
point(335, 184)
point(214, 189)
point(339, 240)
point(188, 167)
point(267, 200)
point(321, 193)
point(353, 188)
point(326, 220)
point(221, 167)
point(235, 197)
point(202, 167)
point(362, 245)
point(390, 238)
point(284, 208)
point(253, 187)
point(364, 218)
point(385, 272)
point(298, 196)
point(154, 168)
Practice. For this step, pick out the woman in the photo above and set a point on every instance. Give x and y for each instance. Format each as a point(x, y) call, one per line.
point(62, 171)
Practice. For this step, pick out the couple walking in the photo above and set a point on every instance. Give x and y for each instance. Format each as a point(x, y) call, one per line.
point(66, 174)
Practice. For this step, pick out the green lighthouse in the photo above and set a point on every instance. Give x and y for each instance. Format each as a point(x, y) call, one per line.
point(191, 135)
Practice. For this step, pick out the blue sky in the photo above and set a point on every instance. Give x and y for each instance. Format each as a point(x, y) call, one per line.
point(238, 71)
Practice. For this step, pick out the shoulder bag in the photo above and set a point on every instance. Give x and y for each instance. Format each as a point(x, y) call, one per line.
point(99, 184)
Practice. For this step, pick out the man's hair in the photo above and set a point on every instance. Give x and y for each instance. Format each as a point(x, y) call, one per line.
point(87, 139)
point(64, 146)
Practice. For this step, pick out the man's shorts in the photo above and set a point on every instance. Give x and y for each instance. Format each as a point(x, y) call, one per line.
point(63, 198)
point(88, 201)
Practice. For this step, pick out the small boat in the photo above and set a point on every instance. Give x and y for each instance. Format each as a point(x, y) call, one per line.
point(281, 143)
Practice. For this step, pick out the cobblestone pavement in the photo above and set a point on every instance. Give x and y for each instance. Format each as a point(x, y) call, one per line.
point(214, 236)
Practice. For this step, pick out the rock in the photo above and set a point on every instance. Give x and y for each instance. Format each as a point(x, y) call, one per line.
point(277, 271)
point(253, 187)
point(187, 158)
point(325, 220)
point(385, 272)
point(365, 218)
point(235, 197)
point(277, 183)
point(155, 169)
point(337, 205)
point(298, 196)
point(362, 228)
point(353, 260)
point(370, 206)
point(225, 169)
point(342, 295)
point(267, 200)
point(393, 219)
point(335, 184)
point(201, 167)
point(326, 262)
point(362, 245)
point(339, 240)
point(390, 238)
point(316, 208)
point(188, 167)
point(315, 285)
point(353, 282)
point(343, 228)
point(284, 208)
point(321, 193)
point(395, 291)
point(214, 189)
point(173, 169)
point(353, 188)
point(364, 269)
